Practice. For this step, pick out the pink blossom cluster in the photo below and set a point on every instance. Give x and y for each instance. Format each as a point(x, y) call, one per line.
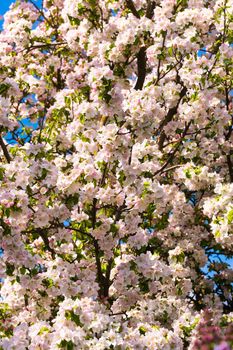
point(116, 206)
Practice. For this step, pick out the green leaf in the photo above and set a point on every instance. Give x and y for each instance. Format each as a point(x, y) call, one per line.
point(47, 282)
point(84, 138)
point(142, 330)
point(121, 177)
point(71, 201)
point(165, 316)
point(197, 170)
point(74, 21)
point(2, 171)
point(4, 88)
point(180, 258)
point(170, 51)
point(82, 118)
point(230, 216)
point(22, 270)
point(9, 269)
point(70, 315)
point(43, 330)
point(144, 285)
point(44, 173)
point(105, 89)
point(114, 228)
point(161, 56)
point(188, 174)
point(66, 344)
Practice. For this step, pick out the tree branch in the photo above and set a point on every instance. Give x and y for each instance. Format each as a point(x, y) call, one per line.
point(150, 9)
point(101, 279)
point(171, 168)
point(159, 63)
point(141, 56)
point(228, 135)
point(141, 64)
point(172, 154)
point(171, 113)
point(42, 46)
point(132, 8)
point(4, 149)
point(230, 166)
point(45, 239)
point(41, 13)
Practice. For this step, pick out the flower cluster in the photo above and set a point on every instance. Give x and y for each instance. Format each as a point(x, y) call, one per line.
point(116, 174)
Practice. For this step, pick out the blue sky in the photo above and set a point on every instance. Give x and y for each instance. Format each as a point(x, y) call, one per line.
point(4, 6)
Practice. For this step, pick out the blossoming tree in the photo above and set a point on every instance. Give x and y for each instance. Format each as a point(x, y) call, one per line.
point(116, 207)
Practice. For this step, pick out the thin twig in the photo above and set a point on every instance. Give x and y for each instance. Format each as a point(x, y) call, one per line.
point(171, 168)
point(41, 13)
point(171, 113)
point(171, 156)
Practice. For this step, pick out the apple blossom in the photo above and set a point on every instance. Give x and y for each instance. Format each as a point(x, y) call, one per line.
point(116, 214)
